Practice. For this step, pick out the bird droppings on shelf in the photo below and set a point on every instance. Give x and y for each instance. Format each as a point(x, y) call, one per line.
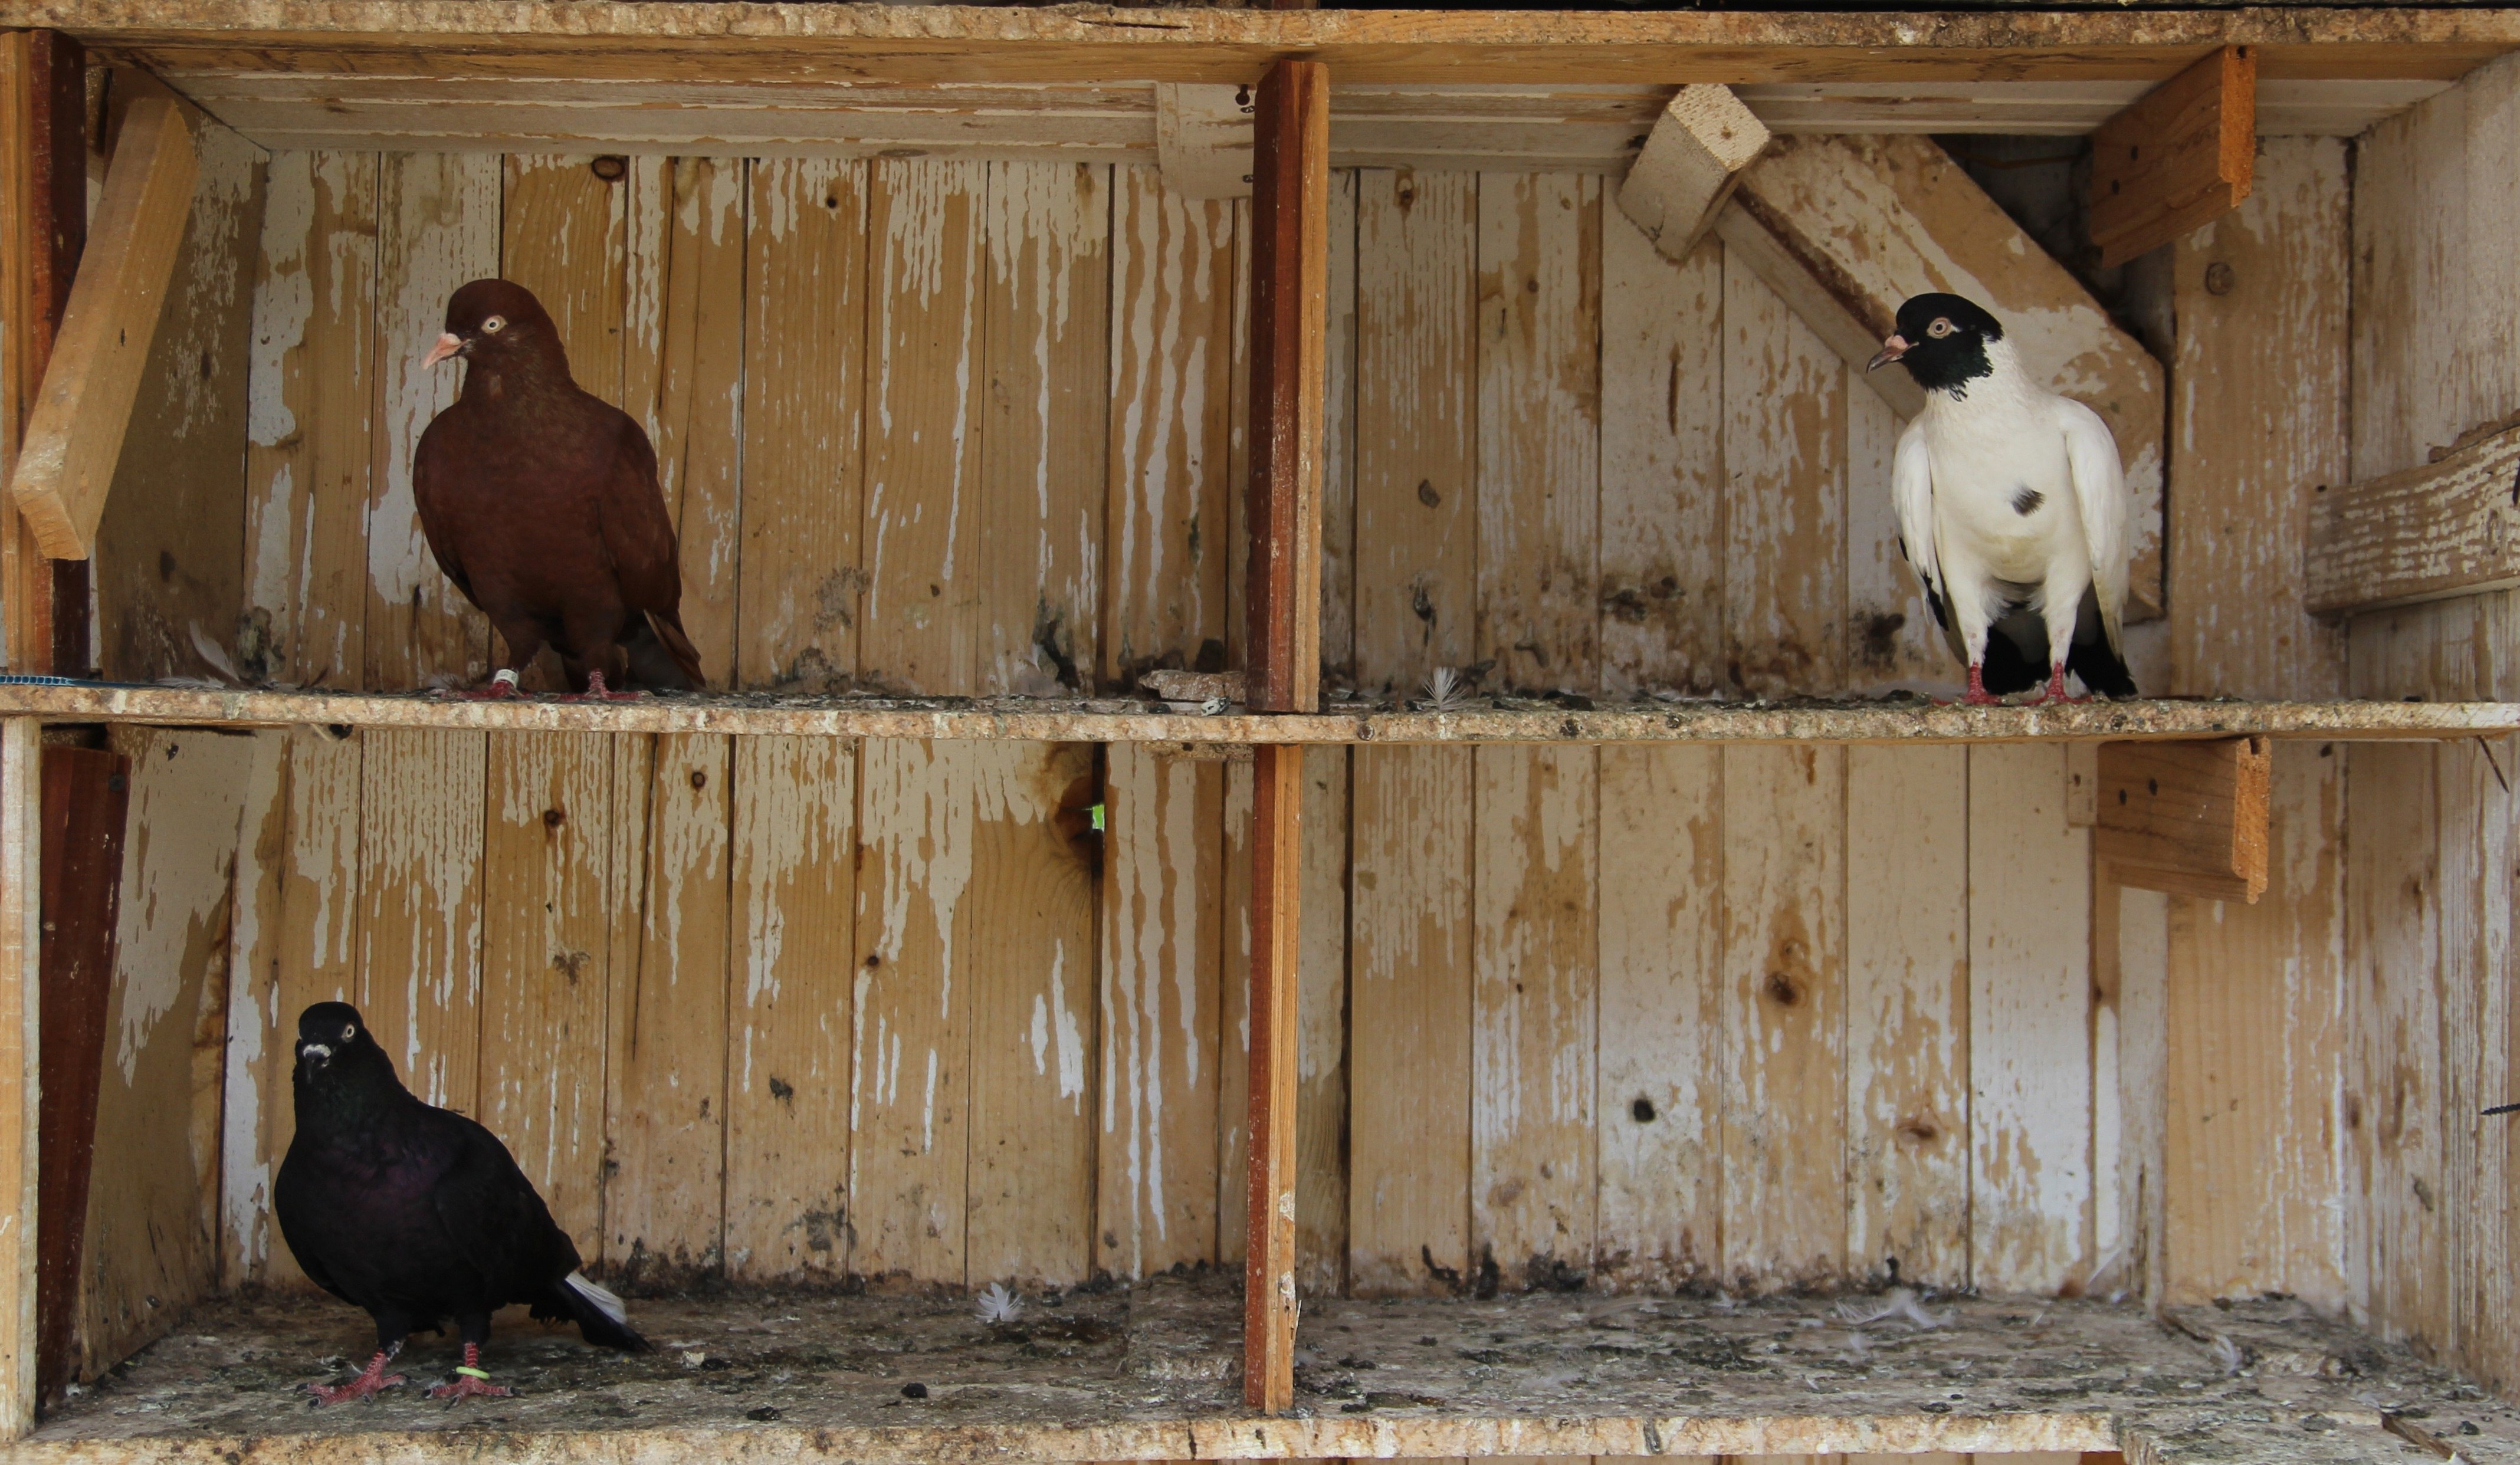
point(1151, 1372)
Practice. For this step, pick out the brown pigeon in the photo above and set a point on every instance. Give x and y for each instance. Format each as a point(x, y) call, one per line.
point(540, 502)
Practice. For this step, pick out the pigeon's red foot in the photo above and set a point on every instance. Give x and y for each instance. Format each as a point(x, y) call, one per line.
point(470, 1380)
point(502, 686)
point(597, 692)
point(1977, 696)
point(2056, 689)
point(368, 1385)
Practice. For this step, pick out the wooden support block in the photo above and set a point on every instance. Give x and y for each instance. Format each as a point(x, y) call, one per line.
point(2178, 159)
point(87, 795)
point(75, 436)
point(1203, 139)
point(1291, 204)
point(2448, 528)
point(1269, 1264)
point(2186, 818)
point(1691, 160)
point(21, 993)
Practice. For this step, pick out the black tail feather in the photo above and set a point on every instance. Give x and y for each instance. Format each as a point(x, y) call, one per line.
point(661, 658)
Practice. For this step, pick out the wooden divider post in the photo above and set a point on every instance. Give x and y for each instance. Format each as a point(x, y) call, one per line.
point(1289, 330)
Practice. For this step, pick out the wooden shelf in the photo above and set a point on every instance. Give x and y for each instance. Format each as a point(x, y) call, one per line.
point(764, 1374)
point(1033, 720)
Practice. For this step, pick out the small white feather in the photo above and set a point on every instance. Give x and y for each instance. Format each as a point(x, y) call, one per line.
point(605, 1301)
point(1898, 1305)
point(997, 1304)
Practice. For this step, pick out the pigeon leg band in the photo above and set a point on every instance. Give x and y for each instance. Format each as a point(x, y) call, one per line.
point(471, 1381)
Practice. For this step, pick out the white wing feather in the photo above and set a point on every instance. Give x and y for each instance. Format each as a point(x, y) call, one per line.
point(1911, 497)
point(2101, 496)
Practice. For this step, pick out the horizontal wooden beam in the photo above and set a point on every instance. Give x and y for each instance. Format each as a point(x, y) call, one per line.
point(1032, 719)
point(1690, 162)
point(2451, 527)
point(2176, 161)
point(1203, 139)
point(74, 438)
point(2188, 818)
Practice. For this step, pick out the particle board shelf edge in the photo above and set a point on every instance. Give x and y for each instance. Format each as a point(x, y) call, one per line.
point(1015, 720)
point(813, 1375)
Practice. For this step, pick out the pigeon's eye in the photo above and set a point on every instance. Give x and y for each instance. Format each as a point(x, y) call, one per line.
point(495, 324)
point(1940, 328)
point(349, 1033)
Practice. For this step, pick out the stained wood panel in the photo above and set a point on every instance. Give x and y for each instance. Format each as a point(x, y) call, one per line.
point(1322, 1077)
point(666, 1075)
point(420, 799)
point(310, 407)
point(1662, 1031)
point(791, 861)
point(1785, 466)
point(1784, 1214)
point(256, 1028)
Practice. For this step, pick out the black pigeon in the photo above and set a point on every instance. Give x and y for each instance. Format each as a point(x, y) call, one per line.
point(418, 1214)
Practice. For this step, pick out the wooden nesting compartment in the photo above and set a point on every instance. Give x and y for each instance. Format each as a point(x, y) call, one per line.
point(1649, 1007)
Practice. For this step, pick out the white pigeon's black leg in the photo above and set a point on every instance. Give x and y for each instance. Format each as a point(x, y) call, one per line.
point(369, 1383)
point(472, 1381)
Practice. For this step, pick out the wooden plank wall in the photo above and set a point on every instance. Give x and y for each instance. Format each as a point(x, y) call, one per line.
point(1633, 1016)
point(2427, 1013)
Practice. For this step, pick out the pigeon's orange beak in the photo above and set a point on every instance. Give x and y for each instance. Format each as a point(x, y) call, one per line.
point(1891, 351)
point(448, 345)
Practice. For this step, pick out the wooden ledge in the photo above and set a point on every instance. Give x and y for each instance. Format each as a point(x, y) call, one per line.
point(811, 1376)
point(1030, 720)
point(1111, 43)
point(2451, 527)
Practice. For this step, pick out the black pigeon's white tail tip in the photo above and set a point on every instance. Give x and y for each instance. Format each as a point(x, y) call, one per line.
point(606, 1302)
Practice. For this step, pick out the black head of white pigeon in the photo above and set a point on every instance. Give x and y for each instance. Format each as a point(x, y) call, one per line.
point(2012, 509)
point(418, 1214)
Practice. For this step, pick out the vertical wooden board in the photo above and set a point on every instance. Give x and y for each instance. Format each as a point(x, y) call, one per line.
point(1238, 440)
point(1539, 429)
point(309, 407)
point(1785, 1211)
point(2254, 1195)
point(683, 369)
point(805, 384)
point(2029, 1008)
point(1161, 1037)
point(1338, 442)
point(1027, 934)
point(1534, 1036)
point(910, 1079)
point(419, 924)
point(1662, 463)
point(794, 866)
point(564, 236)
point(627, 899)
point(256, 1028)
point(1907, 906)
point(663, 1201)
point(320, 909)
point(437, 227)
point(1172, 312)
point(2138, 935)
point(1234, 1012)
point(1417, 423)
point(925, 302)
point(170, 553)
point(1410, 1086)
point(1890, 630)
point(1043, 472)
point(1322, 1077)
point(150, 1248)
point(546, 982)
point(1662, 1037)
point(1784, 505)
point(2260, 411)
point(20, 940)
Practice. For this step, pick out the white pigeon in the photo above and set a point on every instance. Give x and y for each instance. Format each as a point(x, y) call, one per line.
point(2012, 509)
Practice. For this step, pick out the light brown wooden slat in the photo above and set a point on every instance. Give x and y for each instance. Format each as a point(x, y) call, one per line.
point(2188, 819)
point(1277, 890)
point(1289, 303)
point(2178, 159)
point(420, 801)
point(1662, 1036)
point(666, 1075)
point(2447, 528)
point(1785, 519)
point(791, 1006)
point(256, 1028)
point(1322, 1180)
point(308, 457)
point(1784, 1214)
point(801, 595)
point(67, 459)
point(1907, 906)
point(21, 980)
point(1025, 949)
point(1339, 444)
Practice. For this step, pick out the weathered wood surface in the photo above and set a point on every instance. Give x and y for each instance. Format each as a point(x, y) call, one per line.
point(2446, 528)
point(1114, 1375)
point(1234, 45)
point(1908, 721)
point(2176, 161)
point(21, 1057)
